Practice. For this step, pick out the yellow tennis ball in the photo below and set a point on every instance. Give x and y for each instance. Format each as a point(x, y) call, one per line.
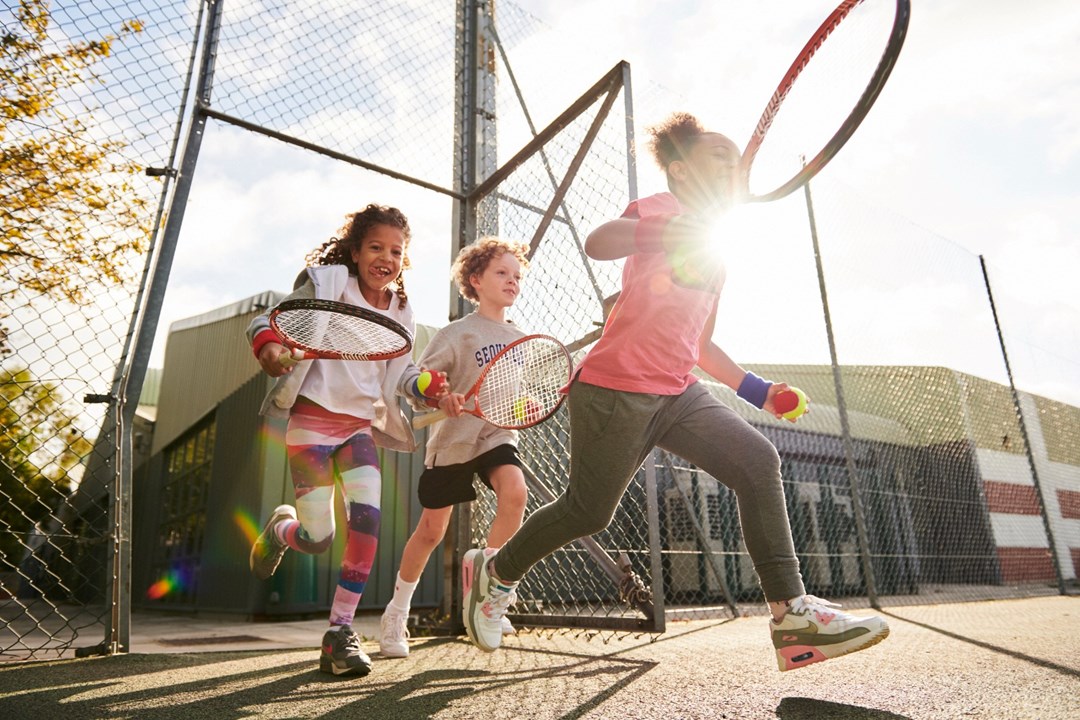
point(799, 409)
point(423, 382)
point(526, 409)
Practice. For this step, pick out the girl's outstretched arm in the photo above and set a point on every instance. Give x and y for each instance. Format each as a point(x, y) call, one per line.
point(715, 361)
point(612, 240)
point(654, 234)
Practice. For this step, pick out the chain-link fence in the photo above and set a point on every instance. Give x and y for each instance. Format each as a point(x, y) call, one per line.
point(916, 477)
point(90, 101)
point(919, 475)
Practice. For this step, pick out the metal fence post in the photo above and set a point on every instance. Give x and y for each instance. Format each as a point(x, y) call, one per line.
point(1024, 434)
point(141, 337)
point(845, 427)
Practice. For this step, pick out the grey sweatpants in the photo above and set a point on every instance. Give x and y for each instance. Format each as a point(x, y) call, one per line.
point(611, 434)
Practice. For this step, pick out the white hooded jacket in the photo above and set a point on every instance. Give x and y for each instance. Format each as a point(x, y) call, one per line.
point(390, 429)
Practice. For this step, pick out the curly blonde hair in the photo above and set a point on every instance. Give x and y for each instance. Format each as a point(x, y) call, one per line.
point(475, 258)
point(338, 250)
point(671, 139)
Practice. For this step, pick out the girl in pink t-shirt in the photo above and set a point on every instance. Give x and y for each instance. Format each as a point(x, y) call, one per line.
point(635, 390)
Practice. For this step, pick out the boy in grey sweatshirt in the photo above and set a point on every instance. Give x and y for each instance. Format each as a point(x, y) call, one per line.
point(488, 274)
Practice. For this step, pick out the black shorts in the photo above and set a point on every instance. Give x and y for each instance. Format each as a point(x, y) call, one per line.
point(452, 484)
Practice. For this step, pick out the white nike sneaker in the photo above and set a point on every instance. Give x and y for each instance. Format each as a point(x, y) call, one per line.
point(394, 634)
point(815, 630)
point(485, 602)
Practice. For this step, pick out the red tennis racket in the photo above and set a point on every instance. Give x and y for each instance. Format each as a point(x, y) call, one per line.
point(519, 387)
point(824, 96)
point(329, 330)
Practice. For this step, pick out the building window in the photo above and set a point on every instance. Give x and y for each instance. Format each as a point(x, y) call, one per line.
point(183, 516)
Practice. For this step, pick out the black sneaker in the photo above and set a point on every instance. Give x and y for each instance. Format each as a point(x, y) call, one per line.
point(341, 653)
point(267, 551)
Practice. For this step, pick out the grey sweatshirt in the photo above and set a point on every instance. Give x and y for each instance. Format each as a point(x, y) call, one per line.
point(461, 350)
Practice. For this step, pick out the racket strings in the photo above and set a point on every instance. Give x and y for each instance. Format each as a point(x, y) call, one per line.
point(522, 386)
point(819, 99)
point(354, 338)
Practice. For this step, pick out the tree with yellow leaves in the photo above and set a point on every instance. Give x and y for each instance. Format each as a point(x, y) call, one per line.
point(40, 449)
point(71, 217)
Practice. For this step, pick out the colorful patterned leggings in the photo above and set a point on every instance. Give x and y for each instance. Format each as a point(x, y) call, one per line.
point(326, 448)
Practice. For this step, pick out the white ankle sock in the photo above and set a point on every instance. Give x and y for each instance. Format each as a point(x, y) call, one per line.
point(403, 592)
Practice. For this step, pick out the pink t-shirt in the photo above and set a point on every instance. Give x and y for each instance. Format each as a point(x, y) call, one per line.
point(650, 340)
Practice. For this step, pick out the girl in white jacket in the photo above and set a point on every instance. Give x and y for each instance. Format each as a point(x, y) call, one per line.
point(339, 411)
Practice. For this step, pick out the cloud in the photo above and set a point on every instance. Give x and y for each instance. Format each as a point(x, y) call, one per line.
point(257, 208)
point(972, 145)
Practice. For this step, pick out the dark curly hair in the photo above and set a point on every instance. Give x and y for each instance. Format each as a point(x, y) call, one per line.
point(474, 259)
point(338, 250)
point(671, 139)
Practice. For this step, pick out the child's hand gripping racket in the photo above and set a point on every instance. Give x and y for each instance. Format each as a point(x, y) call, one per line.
point(328, 330)
point(519, 388)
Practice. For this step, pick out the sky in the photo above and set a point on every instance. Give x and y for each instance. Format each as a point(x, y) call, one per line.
point(973, 146)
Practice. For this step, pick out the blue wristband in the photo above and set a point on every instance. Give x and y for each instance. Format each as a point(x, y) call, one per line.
point(754, 390)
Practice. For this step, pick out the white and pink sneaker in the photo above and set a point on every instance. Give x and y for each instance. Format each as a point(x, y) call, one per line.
point(486, 601)
point(814, 630)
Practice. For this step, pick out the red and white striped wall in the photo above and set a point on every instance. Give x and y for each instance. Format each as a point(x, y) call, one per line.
point(1015, 515)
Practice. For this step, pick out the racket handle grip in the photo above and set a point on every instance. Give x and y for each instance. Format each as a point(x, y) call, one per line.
point(422, 421)
point(291, 358)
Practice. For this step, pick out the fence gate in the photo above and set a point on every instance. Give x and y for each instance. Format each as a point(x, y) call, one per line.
point(567, 177)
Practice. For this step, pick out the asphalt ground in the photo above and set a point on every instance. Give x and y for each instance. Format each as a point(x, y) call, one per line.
point(1010, 659)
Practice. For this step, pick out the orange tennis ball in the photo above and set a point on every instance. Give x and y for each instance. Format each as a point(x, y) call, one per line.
point(790, 403)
